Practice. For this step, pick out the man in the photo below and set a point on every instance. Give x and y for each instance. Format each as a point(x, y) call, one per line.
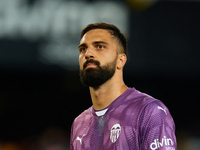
point(121, 117)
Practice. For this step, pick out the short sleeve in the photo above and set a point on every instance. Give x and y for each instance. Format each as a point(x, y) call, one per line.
point(157, 128)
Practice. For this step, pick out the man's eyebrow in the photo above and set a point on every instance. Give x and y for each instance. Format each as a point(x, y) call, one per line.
point(95, 42)
point(100, 42)
point(82, 45)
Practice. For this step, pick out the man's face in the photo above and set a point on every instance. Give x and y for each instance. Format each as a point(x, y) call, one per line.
point(97, 57)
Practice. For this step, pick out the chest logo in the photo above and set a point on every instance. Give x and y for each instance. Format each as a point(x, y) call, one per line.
point(115, 132)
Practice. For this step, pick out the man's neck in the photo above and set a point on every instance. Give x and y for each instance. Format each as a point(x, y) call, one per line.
point(105, 94)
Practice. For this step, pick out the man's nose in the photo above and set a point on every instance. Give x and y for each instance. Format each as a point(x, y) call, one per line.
point(89, 53)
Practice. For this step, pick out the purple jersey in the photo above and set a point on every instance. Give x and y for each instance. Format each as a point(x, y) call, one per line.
point(134, 121)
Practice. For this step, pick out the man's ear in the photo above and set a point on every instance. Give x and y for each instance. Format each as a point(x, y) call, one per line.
point(121, 60)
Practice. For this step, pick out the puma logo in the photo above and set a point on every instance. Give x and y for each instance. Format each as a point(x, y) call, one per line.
point(80, 139)
point(162, 109)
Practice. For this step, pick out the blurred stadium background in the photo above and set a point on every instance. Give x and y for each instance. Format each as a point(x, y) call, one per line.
point(40, 89)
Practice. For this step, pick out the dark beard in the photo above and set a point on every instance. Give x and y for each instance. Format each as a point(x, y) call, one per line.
point(95, 77)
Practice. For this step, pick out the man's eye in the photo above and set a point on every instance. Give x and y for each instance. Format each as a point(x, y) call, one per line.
point(100, 47)
point(82, 49)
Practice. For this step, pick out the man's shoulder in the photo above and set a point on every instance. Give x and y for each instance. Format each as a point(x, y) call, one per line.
point(84, 116)
point(146, 106)
point(139, 98)
point(137, 101)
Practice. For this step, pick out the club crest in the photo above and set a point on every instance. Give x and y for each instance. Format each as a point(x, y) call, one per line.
point(115, 132)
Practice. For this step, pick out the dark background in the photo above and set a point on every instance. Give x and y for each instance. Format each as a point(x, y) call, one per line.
point(163, 61)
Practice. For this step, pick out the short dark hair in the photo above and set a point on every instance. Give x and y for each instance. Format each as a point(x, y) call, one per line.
point(112, 29)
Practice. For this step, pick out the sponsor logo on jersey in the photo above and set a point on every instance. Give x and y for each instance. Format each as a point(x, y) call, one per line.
point(163, 142)
point(115, 132)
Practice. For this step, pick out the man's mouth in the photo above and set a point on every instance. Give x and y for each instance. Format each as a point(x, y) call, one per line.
point(90, 65)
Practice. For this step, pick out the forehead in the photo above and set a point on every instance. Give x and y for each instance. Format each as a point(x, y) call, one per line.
point(97, 35)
